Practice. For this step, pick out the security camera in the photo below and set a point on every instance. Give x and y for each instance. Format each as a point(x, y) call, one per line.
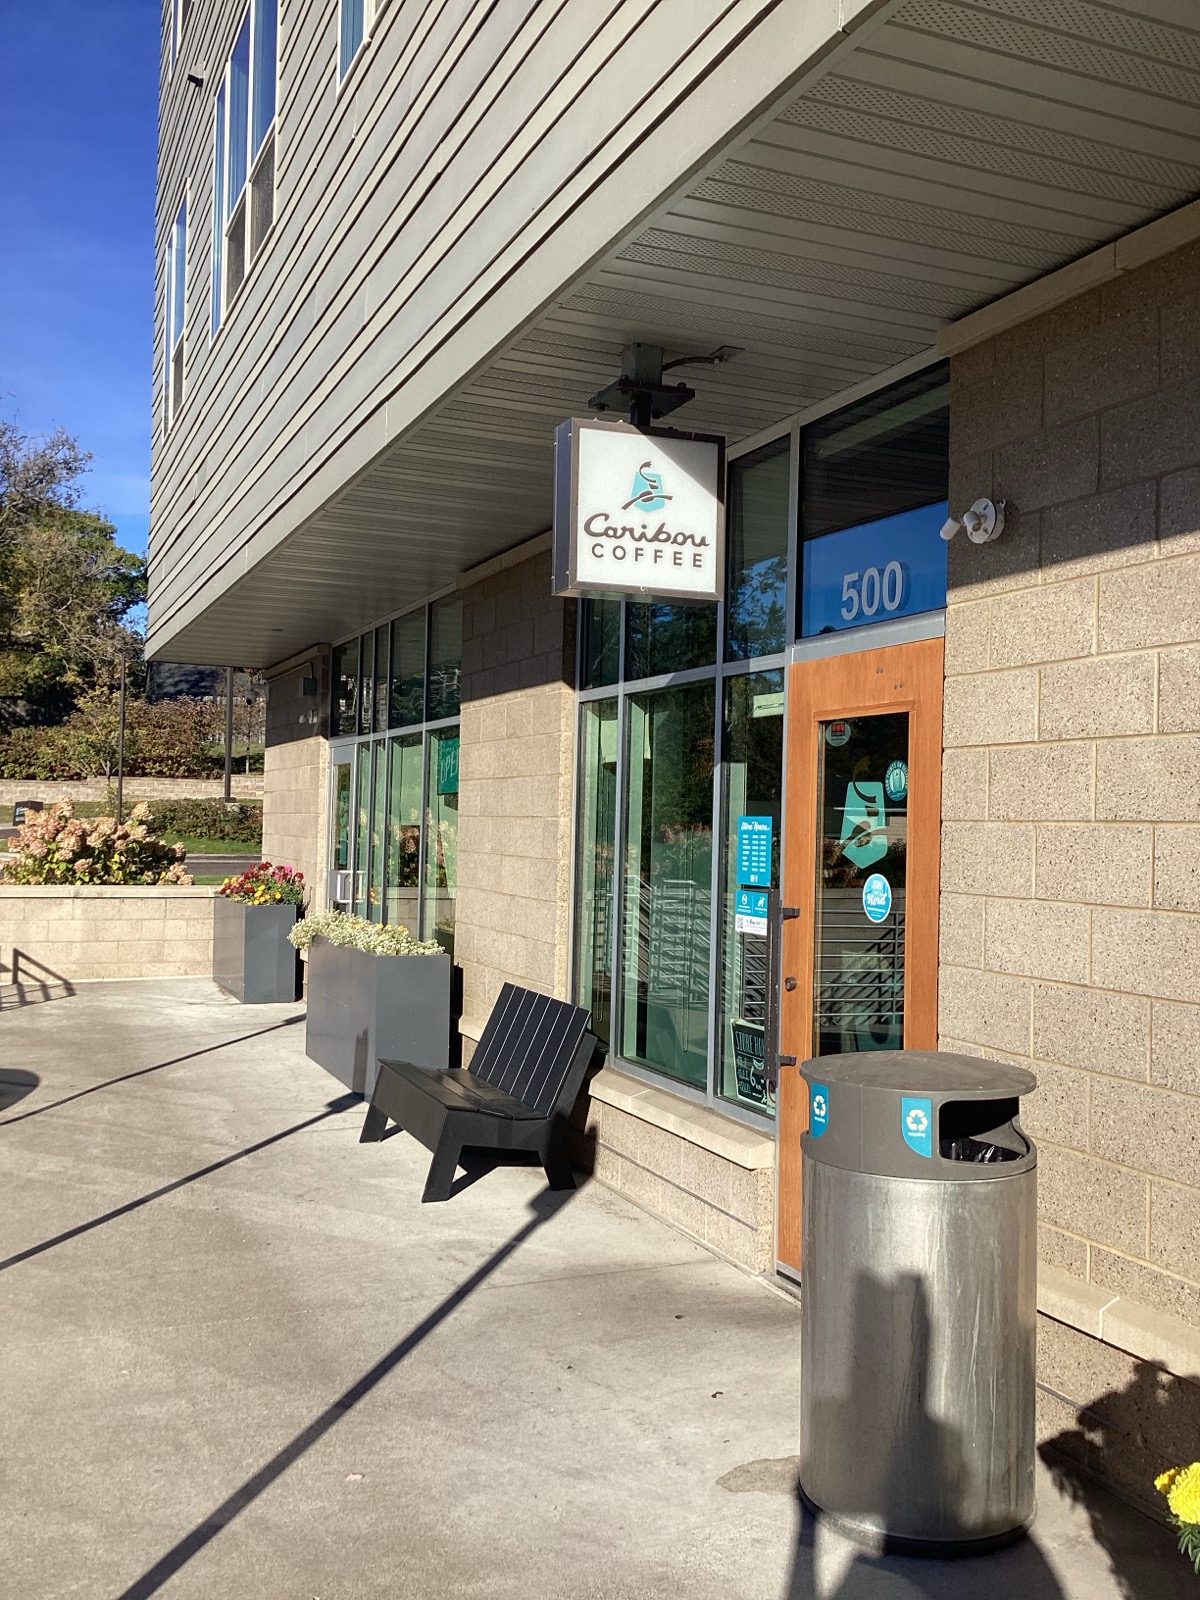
point(983, 522)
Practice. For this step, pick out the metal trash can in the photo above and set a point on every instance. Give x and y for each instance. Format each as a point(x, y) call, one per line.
point(918, 1301)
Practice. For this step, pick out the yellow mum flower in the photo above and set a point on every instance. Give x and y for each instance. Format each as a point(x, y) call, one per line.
point(1184, 1494)
point(1165, 1479)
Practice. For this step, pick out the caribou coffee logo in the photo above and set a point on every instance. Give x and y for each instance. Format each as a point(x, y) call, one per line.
point(648, 494)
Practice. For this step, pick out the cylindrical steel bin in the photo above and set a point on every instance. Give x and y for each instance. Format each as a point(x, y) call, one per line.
point(918, 1300)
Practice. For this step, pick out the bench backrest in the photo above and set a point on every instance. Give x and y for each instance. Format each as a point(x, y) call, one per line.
point(534, 1048)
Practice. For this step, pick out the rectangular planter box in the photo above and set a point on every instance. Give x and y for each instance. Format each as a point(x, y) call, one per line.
point(361, 1007)
point(252, 959)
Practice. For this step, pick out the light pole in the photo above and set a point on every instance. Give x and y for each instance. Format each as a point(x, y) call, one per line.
point(228, 735)
point(121, 745)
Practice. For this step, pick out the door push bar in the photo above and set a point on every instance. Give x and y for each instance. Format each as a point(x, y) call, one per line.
point(777, 915)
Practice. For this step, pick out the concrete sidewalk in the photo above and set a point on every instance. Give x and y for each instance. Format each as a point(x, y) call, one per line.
point(244, 1363)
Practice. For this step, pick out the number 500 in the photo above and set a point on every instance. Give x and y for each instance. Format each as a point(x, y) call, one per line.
point(866, 593)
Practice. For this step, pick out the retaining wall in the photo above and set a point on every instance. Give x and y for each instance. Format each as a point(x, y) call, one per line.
point(247, 786)
point(52, 934)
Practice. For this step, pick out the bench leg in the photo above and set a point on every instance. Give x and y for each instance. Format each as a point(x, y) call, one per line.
point(374, 1127)
point(555, 1161)
point(442, 1169)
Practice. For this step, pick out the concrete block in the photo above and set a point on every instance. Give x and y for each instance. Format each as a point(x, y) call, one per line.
point(1151, 1130)
point(968, 637)
point(964, 785)
point(1157, 603)
point(1114, 362)
point(1075, 1304)
point(1154, 953)
point(1055, 465)
point(1058, 1112)
point(1037, 939)
point(736, 1240)
point(960, 929)
point(1091, 1028)
point(1177, 869)
point(1175, 1046)
point(987, 858)
point(1156, 434)
point(1052, 623)
point(1013, 563)
point(1179, 512)
point(1062, 1251)
point(998, 408)
point(1179, 690)
point(706, 1175)
point(1041, 783)
point(1146, 1286)
point(1098, 697)
point(987, 1008)
point(1148, 780)
point(1102, 1202)
point(992, 708)
point(1175, 1228)
point(1098, 864)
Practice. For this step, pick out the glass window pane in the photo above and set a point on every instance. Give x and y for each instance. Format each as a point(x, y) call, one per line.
point(894, 567)
point(756, 592)
point(408, 669)
point(600, 630)
point(445, 657)
point(669, 638)
point(178, 289)
point(344, 712)
point(351, 33)
point(239, 115)
point(753, 786)
point(441, 838)
point(862, 814)
point(341, 817)
point(597, 846)
point(378, 832)
point(218, 241)
point(266, 27)
point(403, 875)
point(380, 699)
point(366, 700)
point(362, 826)
point(666, 917)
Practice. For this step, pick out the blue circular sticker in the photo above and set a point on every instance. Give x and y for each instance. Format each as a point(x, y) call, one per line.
point(895, 780)
point(877, 897)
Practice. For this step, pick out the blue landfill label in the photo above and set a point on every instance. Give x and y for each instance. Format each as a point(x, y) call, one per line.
point(818, 1110)
point(754, 839)
point(877, 897)
point(916, 1124)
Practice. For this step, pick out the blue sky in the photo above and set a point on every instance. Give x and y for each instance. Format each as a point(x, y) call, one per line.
point(78, 124)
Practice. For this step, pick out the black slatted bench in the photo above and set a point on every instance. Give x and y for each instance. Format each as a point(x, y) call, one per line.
point(516, 1095)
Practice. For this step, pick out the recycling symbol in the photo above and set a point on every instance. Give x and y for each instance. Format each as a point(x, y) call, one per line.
point(818, 1105)
point(917, 1121)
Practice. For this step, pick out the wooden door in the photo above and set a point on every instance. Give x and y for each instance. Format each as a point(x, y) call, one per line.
point(828, 700)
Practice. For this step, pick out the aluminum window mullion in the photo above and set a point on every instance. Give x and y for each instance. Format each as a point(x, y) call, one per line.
point(422, 841)
point(616, 1001)
point(715, 882)
point(792, 597)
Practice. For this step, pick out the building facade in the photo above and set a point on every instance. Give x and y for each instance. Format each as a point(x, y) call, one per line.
point(949, 253)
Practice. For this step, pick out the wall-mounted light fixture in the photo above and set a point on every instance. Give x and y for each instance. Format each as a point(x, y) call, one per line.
point(982, 523)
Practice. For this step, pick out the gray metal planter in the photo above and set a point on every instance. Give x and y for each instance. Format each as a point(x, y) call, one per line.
point(252, 959)
point(361, 1007)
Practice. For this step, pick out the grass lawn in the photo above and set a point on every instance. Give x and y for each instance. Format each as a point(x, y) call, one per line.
point(215, 847)
point(215, 879)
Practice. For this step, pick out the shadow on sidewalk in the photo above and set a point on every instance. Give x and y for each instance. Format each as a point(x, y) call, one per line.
point(15, 1084)
point(544, 1206)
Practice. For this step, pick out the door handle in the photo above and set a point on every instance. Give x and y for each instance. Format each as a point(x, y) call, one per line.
point(789, 984)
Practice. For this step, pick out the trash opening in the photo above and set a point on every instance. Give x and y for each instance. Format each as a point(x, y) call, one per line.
point(980, 1130)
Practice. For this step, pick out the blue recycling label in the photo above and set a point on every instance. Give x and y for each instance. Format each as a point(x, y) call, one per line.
point(916, 1124)
point(818, 1110)
point(877, 897)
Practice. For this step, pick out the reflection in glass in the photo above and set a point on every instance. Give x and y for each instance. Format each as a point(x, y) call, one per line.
point(381, 679)
point(378, 832)
point(344, 714)
point(403, 871)
point(362, 825)
point(366, 700)
point(756, 592)
point(669, 638)
point(666, 917)
point(862, 817)
point(753, 772)
point(441, 838)
point(341, 816)
point(597, 842)
point(445, 657)
point(408, 669)
point(600, 657)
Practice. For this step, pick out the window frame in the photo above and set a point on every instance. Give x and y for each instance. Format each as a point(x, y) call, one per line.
point(181, 11)
point(232, 214)
point(175, 304)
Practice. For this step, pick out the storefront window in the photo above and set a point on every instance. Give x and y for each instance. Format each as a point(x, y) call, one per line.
point(756, 545)
point(669, 638)
point(445, 657)
point(344, 712)
point(366, 697)
point(380, 698)
point(752, 751)
point(441, 838)
point(362, 828)
point(600, 632)
point(667, 911)
point(403, 874)
point(408, 669)
point(379, 776)
point(597, 837)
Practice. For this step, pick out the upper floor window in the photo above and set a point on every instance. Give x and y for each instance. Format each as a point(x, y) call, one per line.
point(181, 10)
point(176, 315)
point(244, 153)
point(353, 27)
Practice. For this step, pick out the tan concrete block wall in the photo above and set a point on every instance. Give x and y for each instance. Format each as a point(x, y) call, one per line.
point(296, 775)
point(245, 786)
point(515, 783)
point(1071, 841)
point(54, 935)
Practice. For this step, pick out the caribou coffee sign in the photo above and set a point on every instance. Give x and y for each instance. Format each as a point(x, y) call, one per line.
point(638, 513)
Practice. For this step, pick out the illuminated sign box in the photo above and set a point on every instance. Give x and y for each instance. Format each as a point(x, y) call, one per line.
point(638, 514)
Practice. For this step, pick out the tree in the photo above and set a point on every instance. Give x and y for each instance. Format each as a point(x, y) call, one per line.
point(67, 589)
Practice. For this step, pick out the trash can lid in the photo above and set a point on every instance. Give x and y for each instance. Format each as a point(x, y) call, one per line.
point(934, 1072)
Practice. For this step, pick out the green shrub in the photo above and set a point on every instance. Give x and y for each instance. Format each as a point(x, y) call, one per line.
point(209, 819)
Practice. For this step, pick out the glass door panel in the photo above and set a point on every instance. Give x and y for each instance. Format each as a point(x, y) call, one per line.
point(403, 873)
point(597, 847)
point(340, 864)
point(441, 838)
point(362, 826)
point(862, 818)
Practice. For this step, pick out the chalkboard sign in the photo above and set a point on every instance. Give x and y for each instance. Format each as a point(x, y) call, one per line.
point(22, 808)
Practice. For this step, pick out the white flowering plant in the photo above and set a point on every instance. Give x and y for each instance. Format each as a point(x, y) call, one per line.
point(356, 933)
